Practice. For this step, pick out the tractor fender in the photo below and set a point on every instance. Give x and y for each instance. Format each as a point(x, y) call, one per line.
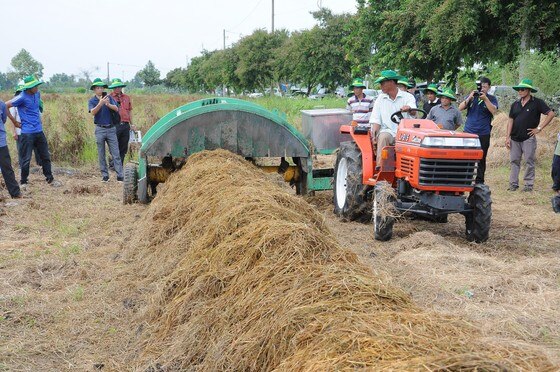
point(363, 141)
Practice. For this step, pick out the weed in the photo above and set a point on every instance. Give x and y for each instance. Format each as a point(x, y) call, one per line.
point(77, 293)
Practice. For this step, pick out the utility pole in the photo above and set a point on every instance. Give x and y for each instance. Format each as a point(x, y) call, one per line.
point(272, 16)
point(108, 72)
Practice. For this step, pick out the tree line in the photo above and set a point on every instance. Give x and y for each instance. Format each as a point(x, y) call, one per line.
point(429, 40)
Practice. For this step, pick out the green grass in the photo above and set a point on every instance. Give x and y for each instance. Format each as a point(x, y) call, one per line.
point(70, 130)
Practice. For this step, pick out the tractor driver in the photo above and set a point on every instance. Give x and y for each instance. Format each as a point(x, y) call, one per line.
point(391, 100)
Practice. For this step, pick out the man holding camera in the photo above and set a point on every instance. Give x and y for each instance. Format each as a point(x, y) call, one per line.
point(99, 106)
point(481, 108)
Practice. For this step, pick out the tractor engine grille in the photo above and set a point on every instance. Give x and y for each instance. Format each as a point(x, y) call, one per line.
point(444, 172)
point(407, 167)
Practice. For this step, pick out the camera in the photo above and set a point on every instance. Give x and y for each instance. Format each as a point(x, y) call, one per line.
point(478, 88)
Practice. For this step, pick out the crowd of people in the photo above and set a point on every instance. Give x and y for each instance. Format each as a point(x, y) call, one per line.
point(24, 111)
point(524, 124)
point(112, 118)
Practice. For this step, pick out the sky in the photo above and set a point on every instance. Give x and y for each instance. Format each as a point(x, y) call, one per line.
point(71, 36)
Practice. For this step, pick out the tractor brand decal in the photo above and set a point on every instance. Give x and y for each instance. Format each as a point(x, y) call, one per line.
point(416, 139)
point(451, 132)
point(404, 137)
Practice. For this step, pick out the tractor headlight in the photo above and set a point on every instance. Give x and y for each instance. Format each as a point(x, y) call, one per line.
point(450, 142)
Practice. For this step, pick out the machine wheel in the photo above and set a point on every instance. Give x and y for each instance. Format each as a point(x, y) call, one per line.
point(130, 183)
point(382, 207)
point(478, 222)
point(350, 202)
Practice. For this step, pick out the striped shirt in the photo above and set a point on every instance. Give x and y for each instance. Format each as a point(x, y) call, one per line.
point(361, 108)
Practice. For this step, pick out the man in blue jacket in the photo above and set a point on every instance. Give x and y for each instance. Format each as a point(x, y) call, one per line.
point(28, 104)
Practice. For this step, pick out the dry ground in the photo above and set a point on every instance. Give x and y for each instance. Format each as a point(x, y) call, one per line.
point(62, 307)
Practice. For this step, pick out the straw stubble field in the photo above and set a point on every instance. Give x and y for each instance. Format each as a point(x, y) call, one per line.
point(257, 279)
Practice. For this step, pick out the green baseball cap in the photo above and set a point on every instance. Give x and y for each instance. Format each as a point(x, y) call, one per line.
point(388, 75)
point(526, 84)
point(30, 82)
point(116, 83)
point(98, 83)
point(447, 92)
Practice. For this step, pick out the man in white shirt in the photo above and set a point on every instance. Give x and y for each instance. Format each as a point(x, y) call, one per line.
point(391, 100)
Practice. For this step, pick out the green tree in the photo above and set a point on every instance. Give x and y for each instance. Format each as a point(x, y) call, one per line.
point(212, 69)
point(24, 64)
point(62, 79)
point(6, 82)
point(432, 38)
point(257, 53)
point(149, 75)
point(175, 78)
point(194, 80)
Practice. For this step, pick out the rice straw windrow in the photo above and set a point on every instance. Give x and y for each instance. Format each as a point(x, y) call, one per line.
point(251, 279)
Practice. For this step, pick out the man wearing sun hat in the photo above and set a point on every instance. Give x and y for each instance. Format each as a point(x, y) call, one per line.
point(13, 114)
point(105, 132)
point(523, 127)
point(125, 106)
point(391, 100)
point(445, 114)
point(404, 84)
point(360, 104)
point(32, 135)
point(432, 99)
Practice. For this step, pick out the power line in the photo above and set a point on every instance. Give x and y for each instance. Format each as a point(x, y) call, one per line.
point(248, 15)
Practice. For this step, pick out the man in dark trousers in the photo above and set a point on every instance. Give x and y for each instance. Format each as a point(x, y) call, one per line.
point(28, 104)
point(105, 133)
point(125, 107)
point(481, 108)
point(556, 176)
point(523, 127)
point(5, 160)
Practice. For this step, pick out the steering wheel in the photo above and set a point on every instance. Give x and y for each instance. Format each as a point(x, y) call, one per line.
point(397, 116)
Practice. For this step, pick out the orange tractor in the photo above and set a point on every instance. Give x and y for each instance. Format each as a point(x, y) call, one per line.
point(430, 173)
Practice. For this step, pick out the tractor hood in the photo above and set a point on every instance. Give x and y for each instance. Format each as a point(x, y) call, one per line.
point(425, 133)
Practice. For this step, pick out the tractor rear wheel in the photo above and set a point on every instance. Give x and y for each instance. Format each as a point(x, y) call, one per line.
point(350, 202)
point(478, 221)
point(130, 183)
point(383, 211)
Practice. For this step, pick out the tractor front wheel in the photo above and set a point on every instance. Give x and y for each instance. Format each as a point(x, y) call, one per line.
point(350, 202)
point(383, 211)
point(130, 183)
point(478, 221)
